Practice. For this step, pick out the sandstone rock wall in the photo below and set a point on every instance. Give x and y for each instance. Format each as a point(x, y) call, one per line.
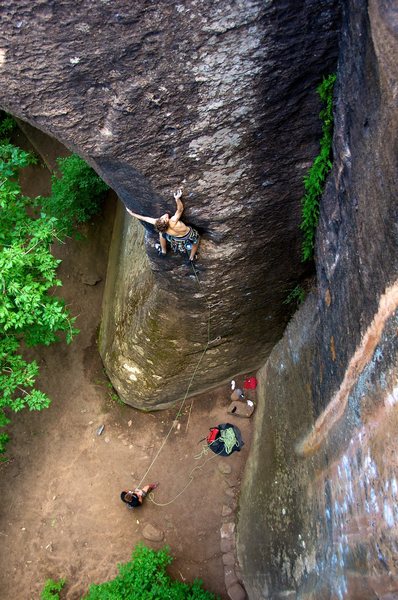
point(217, 97)
point(318, 515)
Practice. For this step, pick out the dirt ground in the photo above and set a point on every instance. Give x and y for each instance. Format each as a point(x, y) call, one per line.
point(60, 512)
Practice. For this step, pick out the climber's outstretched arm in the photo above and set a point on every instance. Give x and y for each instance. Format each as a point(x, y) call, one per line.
point(180, 207)
point(150, 220)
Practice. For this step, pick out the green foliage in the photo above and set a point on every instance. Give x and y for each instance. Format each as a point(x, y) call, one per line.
point(145, 576)
point(7, 124)
point(3, 436)
point(18, 375)
point(75, 195)
point(51, 589)
point(30, 313)
point(296, 296)
point(28, 271)
point(12, 159)
point(314, 181)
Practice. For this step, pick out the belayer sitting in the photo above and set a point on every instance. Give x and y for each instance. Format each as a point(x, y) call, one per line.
point(134, 498)
point(182, 238)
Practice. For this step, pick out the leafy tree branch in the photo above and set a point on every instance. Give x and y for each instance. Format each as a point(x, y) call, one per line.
point(30, 313)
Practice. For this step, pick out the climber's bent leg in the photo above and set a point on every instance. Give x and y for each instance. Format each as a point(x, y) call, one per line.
point(163, 243)
point(194, 250)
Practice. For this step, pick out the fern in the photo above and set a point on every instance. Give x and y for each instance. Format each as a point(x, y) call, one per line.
point(314, 181)
point(296, 296)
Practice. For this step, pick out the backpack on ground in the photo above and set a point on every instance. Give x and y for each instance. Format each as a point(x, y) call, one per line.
point(224, 439)
point(214, 433)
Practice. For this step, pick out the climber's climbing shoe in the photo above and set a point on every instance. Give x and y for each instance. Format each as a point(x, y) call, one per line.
point(158, 249)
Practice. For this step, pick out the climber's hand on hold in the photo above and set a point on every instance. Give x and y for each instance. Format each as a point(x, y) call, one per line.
point(178, 194)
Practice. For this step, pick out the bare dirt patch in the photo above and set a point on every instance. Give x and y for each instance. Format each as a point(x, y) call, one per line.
point(61, 514)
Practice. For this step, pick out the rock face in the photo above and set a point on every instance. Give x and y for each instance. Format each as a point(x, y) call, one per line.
point(217, 97)
point(318, 514)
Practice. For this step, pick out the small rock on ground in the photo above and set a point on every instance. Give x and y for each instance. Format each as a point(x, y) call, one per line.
point(236, 592)
point(152, 533)
point(233, 504)
point(227, 530)
point(228, 559)
point(233, 481)
point(229, 577)
point(90, 278)
point(227, 545)
point(226, 511)
point(224, 468)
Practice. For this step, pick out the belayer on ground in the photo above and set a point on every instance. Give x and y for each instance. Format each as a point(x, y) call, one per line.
point(181, 237)
point(134, 498)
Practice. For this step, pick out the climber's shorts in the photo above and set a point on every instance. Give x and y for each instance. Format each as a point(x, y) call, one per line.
point(184, 243)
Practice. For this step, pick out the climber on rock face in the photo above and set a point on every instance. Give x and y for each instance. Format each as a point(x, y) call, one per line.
point(182, 238)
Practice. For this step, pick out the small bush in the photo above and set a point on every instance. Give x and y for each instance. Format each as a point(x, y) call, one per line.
point(7, 125)
point(145, 576)
point(314, 181)
point(296, 296)
point(75, 195)
point(51, 589)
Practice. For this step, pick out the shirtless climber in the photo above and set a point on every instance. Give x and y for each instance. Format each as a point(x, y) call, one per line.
point(181, 237)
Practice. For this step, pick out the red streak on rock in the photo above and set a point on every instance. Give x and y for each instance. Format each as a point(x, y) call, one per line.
point(363, 354)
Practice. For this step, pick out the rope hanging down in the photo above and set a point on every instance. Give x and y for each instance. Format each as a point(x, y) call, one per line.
point(208, 343)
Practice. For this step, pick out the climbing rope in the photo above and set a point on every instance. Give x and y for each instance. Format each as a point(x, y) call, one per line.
point(190, 480)
point(183, 404)
point(229, 438)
